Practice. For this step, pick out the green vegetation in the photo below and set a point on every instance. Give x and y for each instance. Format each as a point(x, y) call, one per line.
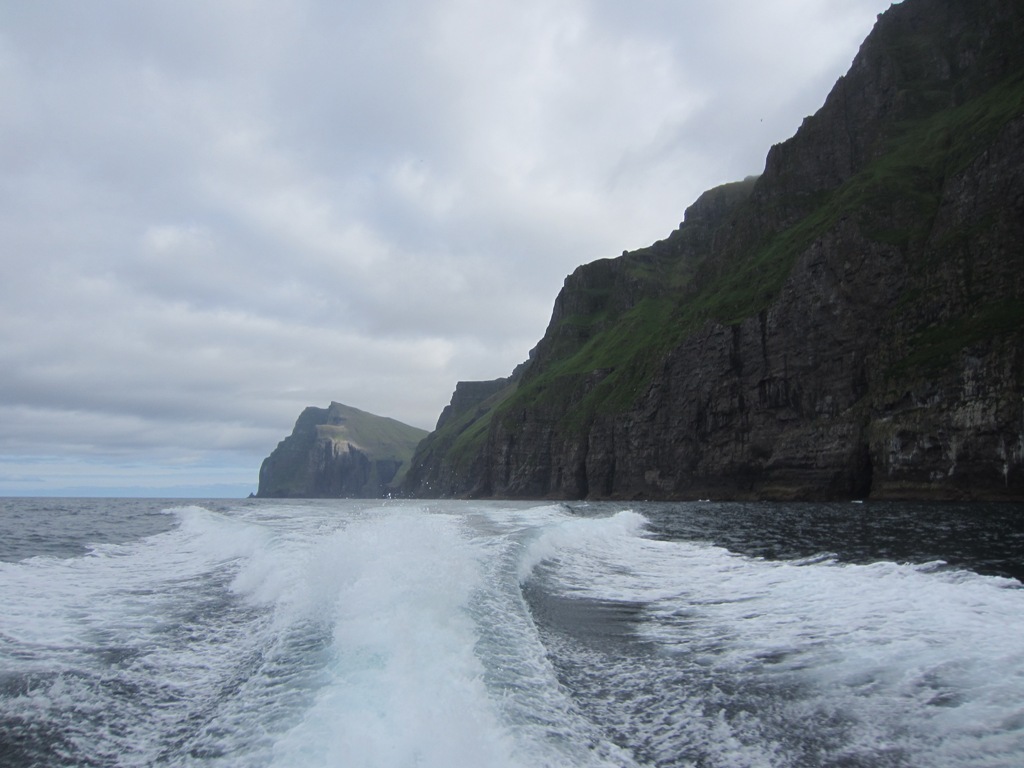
point(889, 198)
point(381, 437)
point(461, 439)
point(287, 471)
point(893, 200)
point(936, 346)
point(622, 356)
point(472, 431)
point(897, 196)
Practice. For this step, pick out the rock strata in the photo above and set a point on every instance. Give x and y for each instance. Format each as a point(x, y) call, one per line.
point(847, 325)
point(339, 452)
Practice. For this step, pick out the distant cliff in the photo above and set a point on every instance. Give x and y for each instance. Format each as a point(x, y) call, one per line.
point(848, 324)
point(339, 451)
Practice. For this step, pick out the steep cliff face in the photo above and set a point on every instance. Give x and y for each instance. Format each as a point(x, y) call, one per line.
point(448, 458)
point(849, 324)
point(948, 394)
point(339, 452)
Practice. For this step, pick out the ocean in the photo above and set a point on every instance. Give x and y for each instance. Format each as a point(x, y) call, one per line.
point(463, 633)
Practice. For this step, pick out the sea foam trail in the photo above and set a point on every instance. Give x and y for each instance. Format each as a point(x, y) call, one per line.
point(573, 536)
point(791, 662)
point(57, 601)
point(401, 684)
point(112, 652)
point(306, 638)
point(433, 658)
point(549, 728)
point(428, 634)
point(918, 657)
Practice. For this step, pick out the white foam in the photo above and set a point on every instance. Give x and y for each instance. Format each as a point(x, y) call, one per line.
point(353, 634)
point(404, 687)
point(370, 634)
point(113, 647)
point(575, 535)
point(548, 727)
point(918, 661)
point(55, 601)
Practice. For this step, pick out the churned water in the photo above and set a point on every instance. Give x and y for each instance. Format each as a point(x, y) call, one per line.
point(370, 633)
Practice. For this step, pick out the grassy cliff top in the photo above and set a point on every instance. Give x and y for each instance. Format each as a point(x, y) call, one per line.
point(380, 436)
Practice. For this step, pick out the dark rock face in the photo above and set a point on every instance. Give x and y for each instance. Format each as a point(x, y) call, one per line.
point(439, 468)
point(469, 395)
point(960, 426)
point(887, 361)
point(339, 452)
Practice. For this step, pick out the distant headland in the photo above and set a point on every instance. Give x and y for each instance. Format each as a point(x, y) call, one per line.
point(848, 324)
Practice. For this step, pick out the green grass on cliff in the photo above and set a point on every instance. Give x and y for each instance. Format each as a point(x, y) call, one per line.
point(381, 437)
point(462, 438)
point(472, 431)
point(904, 185)
point(612, 368)
point(933, 348)
point(752, 283)
point(893, 200)
point(378, 436)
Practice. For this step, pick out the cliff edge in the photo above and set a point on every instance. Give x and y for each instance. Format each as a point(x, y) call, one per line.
point(339, 452)
point(847, 325)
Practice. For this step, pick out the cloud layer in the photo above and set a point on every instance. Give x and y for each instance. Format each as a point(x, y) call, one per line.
point(215, 214)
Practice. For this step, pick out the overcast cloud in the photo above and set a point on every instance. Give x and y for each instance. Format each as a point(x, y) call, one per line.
point(213, 214)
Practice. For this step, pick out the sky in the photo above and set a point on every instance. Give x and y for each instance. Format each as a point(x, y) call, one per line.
point(214, 213)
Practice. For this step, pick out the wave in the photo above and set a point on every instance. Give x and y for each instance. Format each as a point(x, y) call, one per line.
point(498, 634)
point(807, 661)
point(594, 536)
point(111, 655)
point(400, 684)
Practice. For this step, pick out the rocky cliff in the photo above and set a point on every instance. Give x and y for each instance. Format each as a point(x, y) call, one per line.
point(339, 452)
point(848, 324)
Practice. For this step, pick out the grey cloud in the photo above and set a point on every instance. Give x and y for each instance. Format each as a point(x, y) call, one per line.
point(213, 215)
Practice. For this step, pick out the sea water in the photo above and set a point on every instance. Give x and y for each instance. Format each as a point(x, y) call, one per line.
point(411, 633)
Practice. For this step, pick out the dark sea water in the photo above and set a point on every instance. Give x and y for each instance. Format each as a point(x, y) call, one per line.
point(368, 633)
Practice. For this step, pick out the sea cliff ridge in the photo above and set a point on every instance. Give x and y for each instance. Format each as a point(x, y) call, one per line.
point(339, 452)
point(846, 325)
